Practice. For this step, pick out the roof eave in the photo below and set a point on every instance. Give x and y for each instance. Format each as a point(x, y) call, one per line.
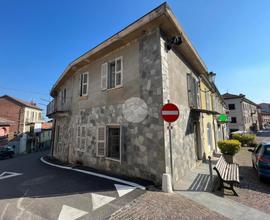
point(118, 40)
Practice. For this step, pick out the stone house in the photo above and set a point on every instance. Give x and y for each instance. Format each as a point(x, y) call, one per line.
point(22, 114)
point(106, 106)
point(243, 113)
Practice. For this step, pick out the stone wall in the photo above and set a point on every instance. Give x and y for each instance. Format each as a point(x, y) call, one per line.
point(142, 151)
point(174, 78)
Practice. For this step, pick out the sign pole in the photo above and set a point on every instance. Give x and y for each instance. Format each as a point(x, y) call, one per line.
point(169, 113)
point(171, 155)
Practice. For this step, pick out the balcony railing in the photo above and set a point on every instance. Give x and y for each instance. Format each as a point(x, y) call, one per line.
point(50, 108)
point(53, 108)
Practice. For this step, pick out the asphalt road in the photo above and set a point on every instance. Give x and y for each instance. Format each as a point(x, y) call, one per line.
point(31, 190)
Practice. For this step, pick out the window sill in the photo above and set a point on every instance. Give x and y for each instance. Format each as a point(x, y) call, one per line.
point(117, 87)
point(113, 159)
point(83, 97)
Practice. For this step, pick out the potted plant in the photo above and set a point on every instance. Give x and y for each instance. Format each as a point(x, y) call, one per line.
point(229, 148)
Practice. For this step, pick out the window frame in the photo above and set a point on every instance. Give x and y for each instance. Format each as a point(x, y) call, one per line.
point(117, 72)
point(231, 105)
point(235, 120)
point(107, 142)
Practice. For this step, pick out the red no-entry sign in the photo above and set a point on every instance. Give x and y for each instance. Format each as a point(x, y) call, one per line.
point(170, 112)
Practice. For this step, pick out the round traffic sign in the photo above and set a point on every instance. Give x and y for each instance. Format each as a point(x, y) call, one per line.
point(170, 112)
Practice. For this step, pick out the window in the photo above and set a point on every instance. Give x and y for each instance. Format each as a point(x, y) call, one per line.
point(63, 96)
point(112, 74)
point(39, 115)
point(84, 84)
point(113, 143)
point(233, 120)
point(109, 141)
point(193, 91)
point(33, 116)
point(231, 106)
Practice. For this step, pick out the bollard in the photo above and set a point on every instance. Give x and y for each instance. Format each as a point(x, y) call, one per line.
point(167, 183)
point(210, 171)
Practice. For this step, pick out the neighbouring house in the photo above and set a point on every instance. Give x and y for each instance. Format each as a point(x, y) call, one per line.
point(265, 107)
point(45, 135)
point(212, 105)
point(22, 114)
point(264, 119)
point(106, 106)
point(243, 113)
point(4, 130)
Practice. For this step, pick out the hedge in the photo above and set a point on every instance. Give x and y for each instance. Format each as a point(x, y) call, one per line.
point(245, 139)
point(230, 147)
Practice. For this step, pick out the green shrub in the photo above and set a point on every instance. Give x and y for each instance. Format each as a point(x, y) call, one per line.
point(230, 147)
point(245, 139)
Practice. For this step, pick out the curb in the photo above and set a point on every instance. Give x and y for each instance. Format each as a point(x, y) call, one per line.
point(94, 174)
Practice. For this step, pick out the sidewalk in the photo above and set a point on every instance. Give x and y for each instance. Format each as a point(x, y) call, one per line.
point(197, 187)
point(159, 205)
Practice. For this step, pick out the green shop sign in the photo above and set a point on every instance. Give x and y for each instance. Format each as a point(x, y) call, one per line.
point(223, 118)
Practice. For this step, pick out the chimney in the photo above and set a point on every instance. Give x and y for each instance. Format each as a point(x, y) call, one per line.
point(33, 103)
point(242, 95)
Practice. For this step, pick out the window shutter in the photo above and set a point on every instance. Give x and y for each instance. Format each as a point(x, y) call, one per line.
point(101, 141)
point(104, 75)
point(80, 85)
point(189, 89)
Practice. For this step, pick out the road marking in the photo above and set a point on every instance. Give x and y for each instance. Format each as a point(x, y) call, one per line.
point(100, 200)
point(70, 213)
point(6, 175)
point(95, 174)
point(123, 189)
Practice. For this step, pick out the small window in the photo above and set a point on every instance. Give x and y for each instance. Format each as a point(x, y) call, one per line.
point(115, 73)
point(233, 120)
point(63, 96)
point(231, 106)
point(109, 142)
point(84, 84)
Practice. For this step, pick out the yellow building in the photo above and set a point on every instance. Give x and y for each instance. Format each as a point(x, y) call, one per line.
point(212, 105)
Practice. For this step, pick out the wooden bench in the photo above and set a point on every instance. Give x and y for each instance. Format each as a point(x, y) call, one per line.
point(227, 173)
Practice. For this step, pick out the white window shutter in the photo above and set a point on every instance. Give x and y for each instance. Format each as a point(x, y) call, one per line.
point(104, 75)
point(101, 141)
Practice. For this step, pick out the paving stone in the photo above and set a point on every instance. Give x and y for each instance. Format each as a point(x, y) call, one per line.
point(252, 191)
point(159, 205)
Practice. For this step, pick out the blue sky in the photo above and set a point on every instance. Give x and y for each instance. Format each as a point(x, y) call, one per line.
point(39, 38)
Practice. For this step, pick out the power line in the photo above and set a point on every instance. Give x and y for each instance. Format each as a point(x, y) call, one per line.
point(25, 91)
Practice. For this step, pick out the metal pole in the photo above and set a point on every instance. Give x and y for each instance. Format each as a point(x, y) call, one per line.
point(171, 155)
point(210, 171)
